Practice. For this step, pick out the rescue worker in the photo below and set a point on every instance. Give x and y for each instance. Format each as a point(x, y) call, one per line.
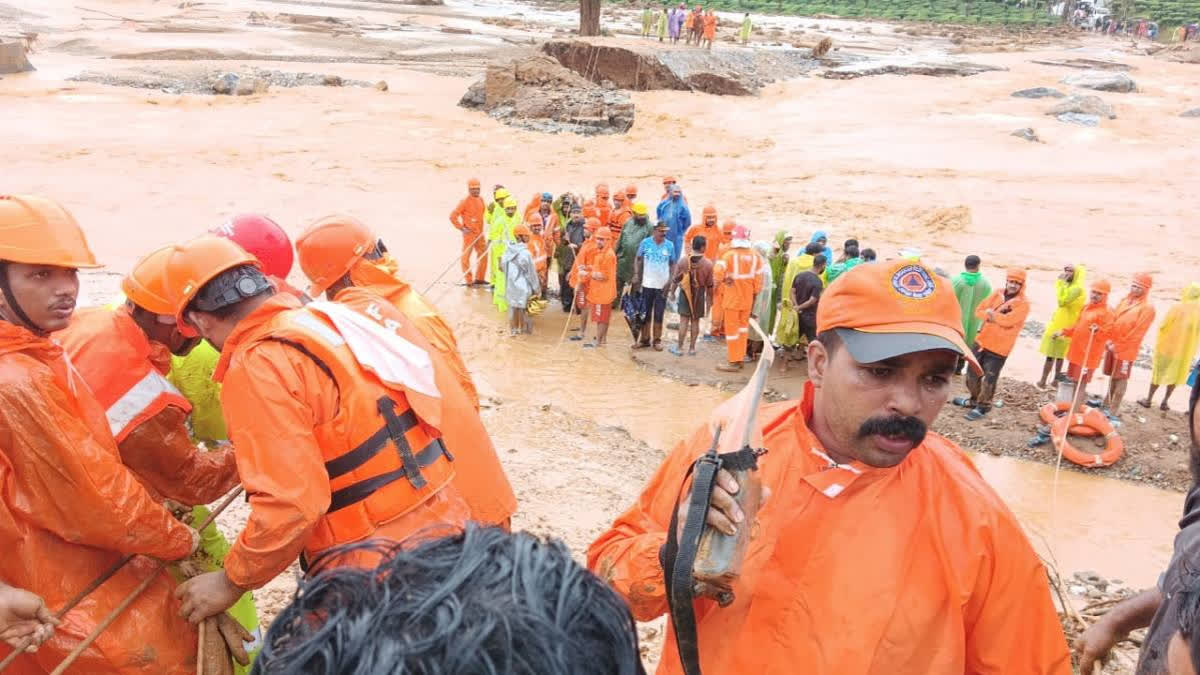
point(880, 549)
point(123, 354)
point(343, 258)
point(69, 508)
point(971, 288)
point(674, 212)
point(494, 234)
point(336, 421)
point(1003, 314)
point(708, 228)
point(631, 194)
point(739, 274)
point(500, 235)
point(600, 270)
point(564, 255)
point(628, 244)
point(579, 278)
point(747, 26)
point(709, 24)
point(621, 215)
point(1175, 347)
point(521, 273)
point(603, 204)
point(1131, 322)
point(717, 327)
point(538, 251)
point(1070, 297)
point(467, 218)
point(24, 618)
point(1089, 336)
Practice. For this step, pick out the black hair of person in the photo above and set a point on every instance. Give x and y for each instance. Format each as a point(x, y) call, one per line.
point(852, 250)
point(699, 243)
point(830, 340)
point(484, 601)
point(848, 243)
point(868, 254)
point(814, 248)
point(972, 262)
point(819, 260)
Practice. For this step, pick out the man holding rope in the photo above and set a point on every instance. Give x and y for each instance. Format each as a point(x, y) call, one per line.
point(70, 508)
point(880, 549)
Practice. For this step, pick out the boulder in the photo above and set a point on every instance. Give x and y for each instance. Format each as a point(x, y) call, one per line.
point(226, 83)
point(1084, 105)
point(1102, 81)
point(1194, 112)
point(1080, 118)
point(249, 85)
point(12, 57)
point(1039, 92)
point(1028, 134)
point(908, 66)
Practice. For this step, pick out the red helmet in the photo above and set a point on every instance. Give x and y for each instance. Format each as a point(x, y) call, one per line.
point(262, 238)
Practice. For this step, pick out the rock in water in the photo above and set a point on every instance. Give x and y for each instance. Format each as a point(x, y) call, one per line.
point(225, 84)
point(1080, 118)
point(1039, 92)
point(1084, 105)
point(1102, 81)
point(1028, 134)
point(1194, 112)
point(248, 86)
point(12, 58)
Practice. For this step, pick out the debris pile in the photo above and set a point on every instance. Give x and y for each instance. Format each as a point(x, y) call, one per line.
point(1083, 105)
point(535, 92)
point(1039, 92)
point(12, 57)
point(1102, 81)
point(1082, 599)
point(906, 66)
point(243, 83)
point(1028, 134)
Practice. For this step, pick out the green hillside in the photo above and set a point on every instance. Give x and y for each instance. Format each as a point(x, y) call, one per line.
point(993, 12)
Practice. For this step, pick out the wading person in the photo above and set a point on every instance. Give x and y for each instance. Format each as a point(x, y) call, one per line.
point(1089, 338)
point(1003, 315)
point(971, 288)
point(806, 295)
point(69, 509)
point(467, 218)
point(652, 276)
point(1070, 296)
point(601, 273)
point(1131, 322)
point(1170, 605)
point(1175, 348)
point(739, 272)
point(694, 278)
point(564, 255)
point(521, 272)
point(629, 242)
point(852, 534)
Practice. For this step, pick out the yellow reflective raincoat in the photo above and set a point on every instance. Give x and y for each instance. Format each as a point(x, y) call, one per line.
point(1071, 298)
point(1178, 337)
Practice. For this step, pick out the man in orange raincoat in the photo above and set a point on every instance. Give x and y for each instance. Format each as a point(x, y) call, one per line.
point(710, 28)
point(622, 213)
point(338, 253)
point(69, 509)
point(712, 233)
point(739, 274)
point(599, 268)
point(880, 549)
point(604, 207)
point(631, 193)
point(124, 355)
point(336, 416)
point(1131, 322)
point(1003, 314)
point(1089, 337)
point(467, 218)
point(537, 248)
point(578, 277)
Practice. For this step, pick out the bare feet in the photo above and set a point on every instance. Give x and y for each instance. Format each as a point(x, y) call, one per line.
point(1144, 402)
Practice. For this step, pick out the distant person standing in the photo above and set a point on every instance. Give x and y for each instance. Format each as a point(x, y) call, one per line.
point(652, 277)
point(747, 26)
point(1003, 314)
point(1131, 322)
point(663, 20)
point(710, 28)
point(971, 288)
point(1070, 297)
point(647, 21)
point(1178, 336)
point(678, 16)
point(694, 278)
point(806, 293)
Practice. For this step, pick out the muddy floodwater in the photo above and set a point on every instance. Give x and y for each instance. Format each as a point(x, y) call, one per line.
point(895, 161)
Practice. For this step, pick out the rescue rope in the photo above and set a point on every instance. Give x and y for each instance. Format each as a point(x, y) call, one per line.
point(129, 599)
point(467, 249)
point(1067, 427)
point(570, 314)
point(433, 301)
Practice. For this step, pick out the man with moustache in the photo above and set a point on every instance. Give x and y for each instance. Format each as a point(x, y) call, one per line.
point(880, 549)
point(1170, 607)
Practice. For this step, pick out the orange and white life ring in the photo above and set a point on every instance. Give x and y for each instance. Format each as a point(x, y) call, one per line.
point(1053, 412)
point(1095, 420)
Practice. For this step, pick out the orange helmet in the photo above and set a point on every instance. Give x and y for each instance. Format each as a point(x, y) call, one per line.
point(619, 197)
point(144, 284)
point(473, 183)
point(602, 190)
point(631, 191)
point(192, 265)
point(710, 210)
point(727, 228)
point(330, 247)
point(39, 231)
point(262, 238)
point(591, 224)
point(603, 233)
point(522, 229)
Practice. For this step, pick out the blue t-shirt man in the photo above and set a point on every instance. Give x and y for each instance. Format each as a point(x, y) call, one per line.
point(656, 262)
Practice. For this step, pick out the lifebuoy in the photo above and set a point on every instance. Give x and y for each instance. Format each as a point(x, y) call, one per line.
point(1053, 412)
point(1095, 420)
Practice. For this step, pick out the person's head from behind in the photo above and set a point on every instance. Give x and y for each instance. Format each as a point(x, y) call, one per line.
point(869, 255)
point(699, 244)
point(848, 245)
point(41, 250)
point(814, 248)
point(972, 263)
point(483, 601)
point(819, 263)
point(889, 338)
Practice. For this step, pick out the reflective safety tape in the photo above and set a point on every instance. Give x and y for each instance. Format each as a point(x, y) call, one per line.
point(315, 325)
point(135, 401)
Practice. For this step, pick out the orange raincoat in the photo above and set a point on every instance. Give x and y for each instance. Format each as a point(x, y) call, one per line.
point(999, 333)
point(541, 257)
point(69, 509)
point(743, 267)
point(1131, 322)
point(602, 292)
point(710, 26)
point(913, 570)
point(712, 235)
point(479, 476)
point(147, 415)
point(467, 218)
point(1098, 315)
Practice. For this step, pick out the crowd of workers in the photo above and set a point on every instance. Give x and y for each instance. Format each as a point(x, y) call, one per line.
point(353, 426)
point(697, 27)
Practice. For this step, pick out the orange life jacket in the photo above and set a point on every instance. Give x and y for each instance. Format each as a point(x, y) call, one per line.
point(125, 371)
point(744, 266)
point(382, 458)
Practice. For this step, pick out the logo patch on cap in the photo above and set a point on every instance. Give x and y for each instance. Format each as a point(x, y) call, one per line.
point(913, 281)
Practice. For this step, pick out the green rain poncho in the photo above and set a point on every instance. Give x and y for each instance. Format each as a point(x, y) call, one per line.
point(972, 288)
point(627, 247)
point(787, 326)
point(779, 261)
point(1070, 299)
point(500, 234)
point(744, 34)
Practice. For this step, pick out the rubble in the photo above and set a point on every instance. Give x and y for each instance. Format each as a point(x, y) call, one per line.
point(1194, 112)
point(1084, 105)
point(908, 67)
point(244, 83)
point(13, 59)
point(1039, 92)
point(1102, 81)
point(535, 92)
point(1028, 134)
point(1080, 119)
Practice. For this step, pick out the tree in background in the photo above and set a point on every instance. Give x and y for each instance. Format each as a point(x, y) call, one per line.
point(589, 17)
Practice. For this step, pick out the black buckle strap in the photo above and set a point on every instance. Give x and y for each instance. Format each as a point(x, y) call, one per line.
point(368, 448)
point(352, 494)
point(396, 429)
